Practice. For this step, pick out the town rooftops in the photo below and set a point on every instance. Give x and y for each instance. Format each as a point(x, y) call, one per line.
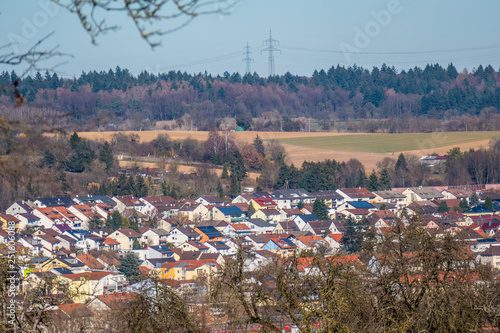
point(289, 226)
point(129, 200)
point(129, 233)
point(9, 218)
point(29, 217)
point(308, 217)
point(426, 192)
point(493, 195)
point(211, 199)
point(493, 250)
point(327, 195)
point(264, 201)
point(210, 232)
point(291, 193)
point(116, 300)
point(96, 199)
point(361, 205)
point(230, 210)
point(54, 202)
point(159, 200)
point(390, 194)
point(189, 232)
point(356, 192)
point(90, 261)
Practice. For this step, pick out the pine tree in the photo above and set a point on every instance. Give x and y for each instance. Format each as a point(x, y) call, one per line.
point(136, 245)
point(129, 186)
point(473, 200)
point(82, 154)
point(234, 187)
point(237, 166)
point(443, 207)
point(385, 183)
point(464, 204)
point(119, 185)
point(259, 145)
point(74, 141)
point(251, 210)
point(220, 190)
point(134, 221)
point(129, 266)
point(225, 173)
point(109, 222)
point(352, 237)
point(373, 183)
point(488, 204)
point(140, 188)
point(116, 220)
point(95, 222)
point(320, 209)
point(106, 155)
point(361, 179)
point(401, 169)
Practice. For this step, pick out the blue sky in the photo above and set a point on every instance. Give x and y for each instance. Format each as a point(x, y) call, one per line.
point(312, 34)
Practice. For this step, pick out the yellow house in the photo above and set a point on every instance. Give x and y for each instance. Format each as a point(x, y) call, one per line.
point(9, 221)
point(188, 269)
point(125, 237)
point(263, 203)
point(60, 262)
point(272, 216)
point(83, 287)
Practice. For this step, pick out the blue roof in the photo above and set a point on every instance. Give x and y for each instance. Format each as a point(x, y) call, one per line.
point(308, 217)
point(161, 248)
point(59, 201)
point(479, 209)
point(361, 204)
point(230, 210)
point(210, 231)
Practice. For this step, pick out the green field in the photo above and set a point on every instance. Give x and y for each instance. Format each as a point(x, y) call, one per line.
point(387, 143)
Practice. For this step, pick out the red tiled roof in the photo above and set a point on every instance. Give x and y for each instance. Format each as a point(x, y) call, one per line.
point(240, 226)
point(88, 275)
point(90, 261)
point(358, 211)
point(110, 241)
point(116, 299)
point(337, 237)
point(129, 233)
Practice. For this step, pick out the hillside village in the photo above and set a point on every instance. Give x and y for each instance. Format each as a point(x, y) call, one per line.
point(177, 241)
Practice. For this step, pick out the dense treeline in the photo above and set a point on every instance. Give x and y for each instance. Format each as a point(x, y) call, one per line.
point(452, 100)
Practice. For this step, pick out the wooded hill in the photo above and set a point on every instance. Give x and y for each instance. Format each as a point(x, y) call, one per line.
point(382, 95)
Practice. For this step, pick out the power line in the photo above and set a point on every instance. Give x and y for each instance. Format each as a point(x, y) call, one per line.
point(395, 53)
point(247, 58)
point(270, 43)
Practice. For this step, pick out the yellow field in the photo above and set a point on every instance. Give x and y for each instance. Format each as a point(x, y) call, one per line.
point(299, 151)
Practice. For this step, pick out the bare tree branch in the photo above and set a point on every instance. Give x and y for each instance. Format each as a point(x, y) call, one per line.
point(144, 14)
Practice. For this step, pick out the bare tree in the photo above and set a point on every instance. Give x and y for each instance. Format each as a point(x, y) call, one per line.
point(143, 13)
